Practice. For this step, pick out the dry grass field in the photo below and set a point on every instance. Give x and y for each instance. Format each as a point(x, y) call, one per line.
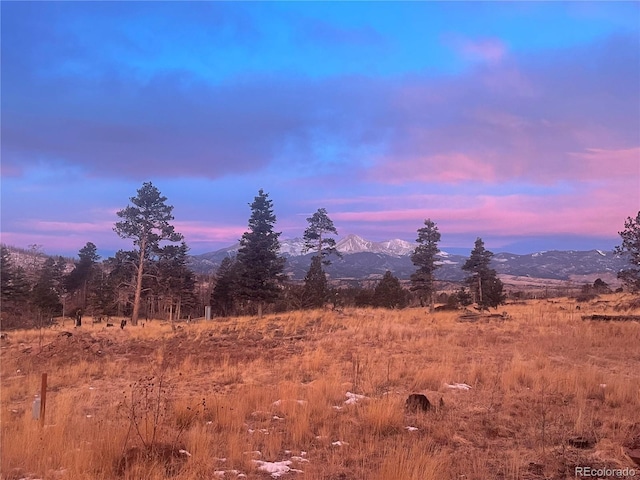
point(320, 395)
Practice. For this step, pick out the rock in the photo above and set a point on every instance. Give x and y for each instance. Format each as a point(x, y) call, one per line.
point(417, 402)
point(581, 442)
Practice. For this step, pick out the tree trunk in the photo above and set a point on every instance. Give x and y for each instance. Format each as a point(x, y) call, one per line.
point(260, 309)
point(138, 294)
point(479, 290)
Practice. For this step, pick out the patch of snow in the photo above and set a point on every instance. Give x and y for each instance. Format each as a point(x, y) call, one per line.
point(458, 386)
point(221, 473)
point(276, 417)
point(300, 459)
point(276, 469)
point(277, 403)
point(339, 443)
point(411, 429)
point(601, 253)
point(353, 398)
point(603, 385)
point(184, 452)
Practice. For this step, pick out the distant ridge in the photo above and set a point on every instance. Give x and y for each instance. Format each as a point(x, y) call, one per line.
point(365, 259)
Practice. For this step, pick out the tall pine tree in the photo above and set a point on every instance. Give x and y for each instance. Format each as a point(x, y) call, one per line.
point(261, 268)
point(424, 257)
point(146, 222)
point(316, 235)
point(316, 238)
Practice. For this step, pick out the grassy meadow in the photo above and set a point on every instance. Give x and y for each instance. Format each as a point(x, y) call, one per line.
point(319, 395)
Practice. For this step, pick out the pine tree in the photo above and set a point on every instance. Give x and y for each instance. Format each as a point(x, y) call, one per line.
point(223, 296)
point(261, 268)
point(316, 288)
point(14, 290)
point(389, 292)
point(121, 280)
point(175, 280)
point(45, 295)
point(315, 236)
point(147, 223)
point(484, 281)
point(631, 245)
point(424, 257)
point(79, 278)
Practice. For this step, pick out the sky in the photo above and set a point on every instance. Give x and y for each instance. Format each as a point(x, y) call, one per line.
point(515, 122)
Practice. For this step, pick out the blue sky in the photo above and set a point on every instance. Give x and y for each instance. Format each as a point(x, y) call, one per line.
point(515, 121)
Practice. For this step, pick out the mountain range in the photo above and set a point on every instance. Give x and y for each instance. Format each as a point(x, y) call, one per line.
point(367, 260)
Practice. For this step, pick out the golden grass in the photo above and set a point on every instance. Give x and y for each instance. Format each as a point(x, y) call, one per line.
point(242, 389)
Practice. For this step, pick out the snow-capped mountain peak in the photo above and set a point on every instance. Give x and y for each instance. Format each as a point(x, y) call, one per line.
point(354, 244)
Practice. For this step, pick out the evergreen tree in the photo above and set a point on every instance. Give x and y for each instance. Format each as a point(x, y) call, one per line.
point(102, 299)
point(424, 257)
point(80, 277)
point(316, 287)
point(14, 284)
point(261, 268)
point(484, 281)
point(389, 293)
point(631, 245)
point(147, 223)
point(175, 279)
point(315, 236)
point(14, 290)
point(223, 296)
point(45, 295)
point(463, 297)
point(122, 270)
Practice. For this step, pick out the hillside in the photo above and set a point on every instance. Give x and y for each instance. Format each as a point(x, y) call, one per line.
point(364, 259)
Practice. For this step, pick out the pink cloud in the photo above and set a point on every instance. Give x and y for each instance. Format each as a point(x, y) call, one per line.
point(71, 227)
point(512, 215)
point(453, 167)
point(602, 163)
point(203, 232)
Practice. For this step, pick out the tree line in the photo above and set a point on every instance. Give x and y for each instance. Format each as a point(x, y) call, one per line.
point(154, 280)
